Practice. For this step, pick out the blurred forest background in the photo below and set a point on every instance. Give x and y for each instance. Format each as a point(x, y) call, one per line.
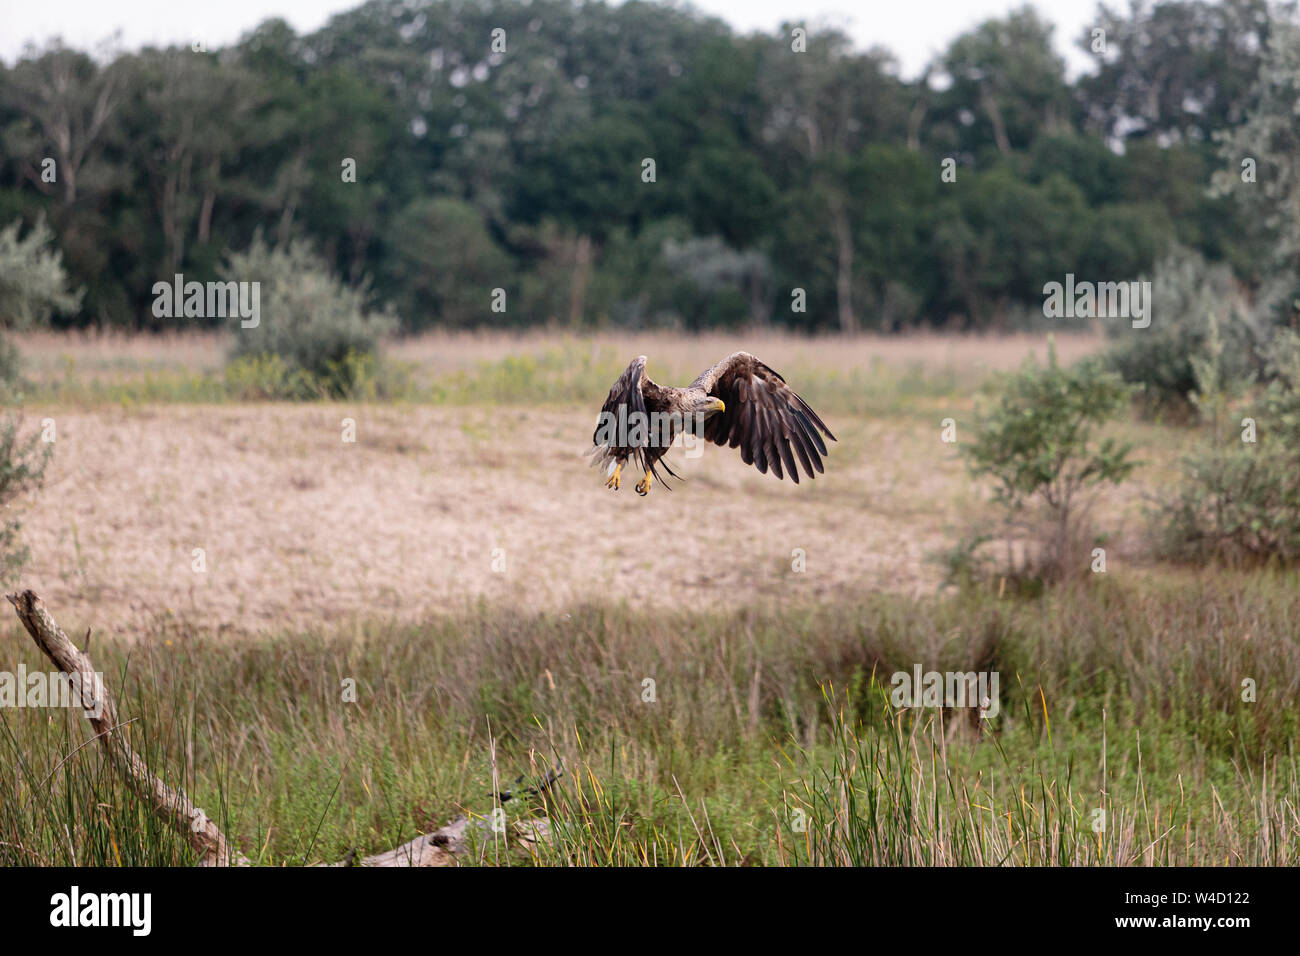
point(774, 170)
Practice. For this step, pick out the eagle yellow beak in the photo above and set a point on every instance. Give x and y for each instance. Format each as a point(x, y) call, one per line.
point(720, 404)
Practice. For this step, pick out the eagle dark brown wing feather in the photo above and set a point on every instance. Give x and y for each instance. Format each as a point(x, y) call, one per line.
point(625, 392)
point(764, 418)
point(635, 390)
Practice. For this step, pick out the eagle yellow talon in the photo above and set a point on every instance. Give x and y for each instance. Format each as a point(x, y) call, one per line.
point(613, 480)
point(643, 486)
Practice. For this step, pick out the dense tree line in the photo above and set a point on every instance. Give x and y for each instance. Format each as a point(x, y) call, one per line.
point(504, 144)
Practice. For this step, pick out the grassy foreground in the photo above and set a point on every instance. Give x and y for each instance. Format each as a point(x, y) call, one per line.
point(1123, 736)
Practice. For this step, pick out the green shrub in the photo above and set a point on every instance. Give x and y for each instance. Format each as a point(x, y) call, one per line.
point(1188, 297)
point(1241, 499)
point(10, 375)
point(22, 469)
point(315, 337)
point(33, 282)
point(1038, 443)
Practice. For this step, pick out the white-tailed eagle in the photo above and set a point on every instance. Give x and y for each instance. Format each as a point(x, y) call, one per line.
point(739, 402)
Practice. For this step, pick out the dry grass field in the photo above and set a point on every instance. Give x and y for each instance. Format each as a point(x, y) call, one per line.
point(49, 354)
point(299, 527)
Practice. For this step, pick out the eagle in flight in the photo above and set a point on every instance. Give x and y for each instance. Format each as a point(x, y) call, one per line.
point(739, 402)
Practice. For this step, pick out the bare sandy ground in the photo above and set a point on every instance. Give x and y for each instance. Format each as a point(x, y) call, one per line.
point(300, 529)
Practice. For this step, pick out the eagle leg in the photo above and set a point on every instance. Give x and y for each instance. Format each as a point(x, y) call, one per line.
point(613, 481)
point(643, 486)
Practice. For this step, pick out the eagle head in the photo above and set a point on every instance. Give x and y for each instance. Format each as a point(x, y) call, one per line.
point(709, 405)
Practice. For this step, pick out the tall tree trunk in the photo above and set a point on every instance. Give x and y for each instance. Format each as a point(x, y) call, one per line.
point(209, 200)
point(285, 227)
point(581, 278)
point(168, 211)
point(205, 215)
point(176, 187)
point(990, 104)
point(69, 174)
point(65, 167)
point(844, 264)
point(292, 181)
point(359, 234)
point(914, 120)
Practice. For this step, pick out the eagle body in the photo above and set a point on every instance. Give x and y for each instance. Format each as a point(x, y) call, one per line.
point(740, 402)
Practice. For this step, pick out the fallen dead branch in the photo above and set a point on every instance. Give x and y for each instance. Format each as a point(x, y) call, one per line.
point(439, 848)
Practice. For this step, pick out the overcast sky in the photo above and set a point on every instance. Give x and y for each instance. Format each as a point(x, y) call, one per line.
point(913, 29)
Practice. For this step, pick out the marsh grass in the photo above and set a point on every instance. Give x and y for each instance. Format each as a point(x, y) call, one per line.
point(1119, 696)
point(900, 793)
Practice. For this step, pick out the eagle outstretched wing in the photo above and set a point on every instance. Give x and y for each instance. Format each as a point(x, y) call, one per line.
point(764, 418)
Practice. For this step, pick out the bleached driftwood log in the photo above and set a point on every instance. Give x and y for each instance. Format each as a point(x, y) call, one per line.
point(439, 848)
point(97, 703)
